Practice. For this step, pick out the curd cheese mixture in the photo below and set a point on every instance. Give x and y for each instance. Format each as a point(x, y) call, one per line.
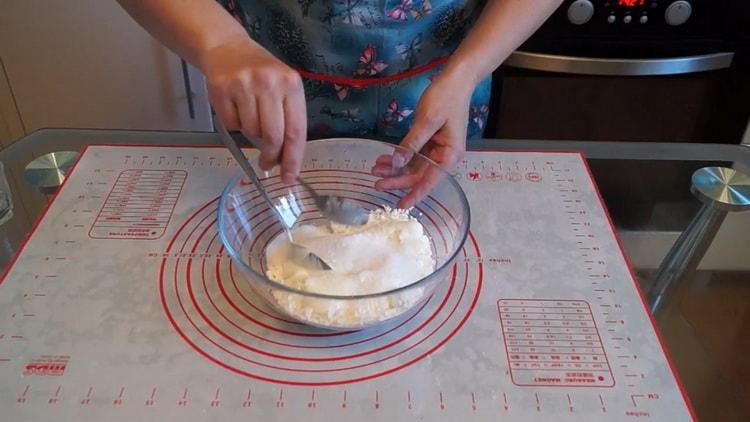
point(389, 251)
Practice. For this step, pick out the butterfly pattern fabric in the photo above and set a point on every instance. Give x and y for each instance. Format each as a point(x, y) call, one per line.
point(410, 50)
point(410, 8)
point(394, 115)
point(369, 65)
point(361, 40)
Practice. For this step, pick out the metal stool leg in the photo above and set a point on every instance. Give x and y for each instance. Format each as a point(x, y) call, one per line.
point(721, 190)
point(685, 255)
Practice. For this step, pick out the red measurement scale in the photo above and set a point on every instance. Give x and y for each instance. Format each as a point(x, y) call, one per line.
point(140, 205)
point(124, 305)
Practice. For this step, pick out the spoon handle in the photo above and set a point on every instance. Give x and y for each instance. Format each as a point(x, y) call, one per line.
point(239, 156)
point(320, 201)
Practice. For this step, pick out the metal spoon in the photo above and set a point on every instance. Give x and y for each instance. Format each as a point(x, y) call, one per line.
point(338, 210)
point(298, 252)
point(334, 208)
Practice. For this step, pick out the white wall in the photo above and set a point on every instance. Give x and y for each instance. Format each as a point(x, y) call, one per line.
point(86, 63)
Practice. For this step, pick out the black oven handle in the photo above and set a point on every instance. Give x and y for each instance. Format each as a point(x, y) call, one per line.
point(619, 67)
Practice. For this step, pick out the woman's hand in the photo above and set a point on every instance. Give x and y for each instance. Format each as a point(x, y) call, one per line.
point(439, 132)
point(253, 91)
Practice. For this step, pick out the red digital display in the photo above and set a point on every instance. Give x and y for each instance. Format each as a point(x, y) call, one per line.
point(631, 3)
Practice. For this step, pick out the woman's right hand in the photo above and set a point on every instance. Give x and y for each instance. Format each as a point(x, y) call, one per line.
point(253, 91)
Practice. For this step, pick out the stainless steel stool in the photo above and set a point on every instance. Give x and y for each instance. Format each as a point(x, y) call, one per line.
point(47, 173)
point(722, 190)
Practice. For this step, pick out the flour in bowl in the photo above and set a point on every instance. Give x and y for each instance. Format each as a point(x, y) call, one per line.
point(391, 250)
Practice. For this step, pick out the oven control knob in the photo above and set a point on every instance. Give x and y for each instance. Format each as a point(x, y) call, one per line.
point(678, 13)
point(580, 12)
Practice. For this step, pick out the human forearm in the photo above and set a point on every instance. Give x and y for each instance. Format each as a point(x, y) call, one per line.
point(249, 88)
point(502, 27)
point(190, 28)
point(440, 120)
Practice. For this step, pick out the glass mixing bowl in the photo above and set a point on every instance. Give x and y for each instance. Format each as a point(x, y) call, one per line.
point(341, 167)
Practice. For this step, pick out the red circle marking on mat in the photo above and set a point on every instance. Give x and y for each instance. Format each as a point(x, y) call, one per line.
point(335, 382)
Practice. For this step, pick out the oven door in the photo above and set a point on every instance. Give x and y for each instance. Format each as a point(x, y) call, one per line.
point(701, 98)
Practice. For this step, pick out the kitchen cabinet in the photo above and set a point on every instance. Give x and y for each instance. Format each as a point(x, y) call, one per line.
point(87, 64)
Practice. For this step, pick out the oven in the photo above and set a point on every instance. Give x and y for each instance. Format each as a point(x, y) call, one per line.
point(631, 70)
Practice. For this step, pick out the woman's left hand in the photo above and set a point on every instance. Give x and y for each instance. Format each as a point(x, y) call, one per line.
point(438, 132)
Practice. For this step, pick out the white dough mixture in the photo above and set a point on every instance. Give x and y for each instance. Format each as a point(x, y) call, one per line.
point(389, 251)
